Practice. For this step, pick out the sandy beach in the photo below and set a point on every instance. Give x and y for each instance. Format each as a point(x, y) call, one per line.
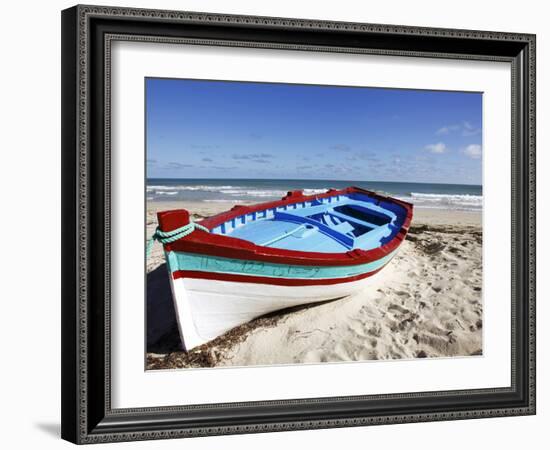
point(426, 303)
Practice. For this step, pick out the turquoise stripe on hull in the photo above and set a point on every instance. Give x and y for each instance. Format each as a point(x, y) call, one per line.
point(204, 263)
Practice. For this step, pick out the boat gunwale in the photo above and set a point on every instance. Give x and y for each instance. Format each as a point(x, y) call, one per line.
point(204, 243)
point(270, 281)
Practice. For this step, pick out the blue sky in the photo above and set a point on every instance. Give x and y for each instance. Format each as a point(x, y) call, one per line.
point(212, 129)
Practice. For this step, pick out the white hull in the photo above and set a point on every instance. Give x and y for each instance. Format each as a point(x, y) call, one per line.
point(208, 308)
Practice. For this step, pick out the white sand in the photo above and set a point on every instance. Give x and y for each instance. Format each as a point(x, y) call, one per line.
point(426, 303)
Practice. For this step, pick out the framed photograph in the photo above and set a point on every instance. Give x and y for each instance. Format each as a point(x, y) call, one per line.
point(279, 224)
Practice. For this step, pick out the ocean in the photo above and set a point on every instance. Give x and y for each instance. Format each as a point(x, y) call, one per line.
point(422, 195)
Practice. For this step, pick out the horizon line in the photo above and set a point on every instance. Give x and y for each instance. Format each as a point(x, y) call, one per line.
point(311, 179)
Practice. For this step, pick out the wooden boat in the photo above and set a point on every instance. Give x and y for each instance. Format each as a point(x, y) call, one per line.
point(252, 260)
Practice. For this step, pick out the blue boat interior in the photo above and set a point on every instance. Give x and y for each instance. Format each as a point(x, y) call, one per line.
point(327, 225)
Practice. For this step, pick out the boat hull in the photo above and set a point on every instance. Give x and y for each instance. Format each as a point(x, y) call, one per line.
point(208, 308)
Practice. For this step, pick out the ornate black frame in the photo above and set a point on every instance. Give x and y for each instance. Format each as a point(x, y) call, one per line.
point(87, 31)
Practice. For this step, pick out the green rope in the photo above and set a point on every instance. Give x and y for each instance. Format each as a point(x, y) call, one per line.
point(166, 237)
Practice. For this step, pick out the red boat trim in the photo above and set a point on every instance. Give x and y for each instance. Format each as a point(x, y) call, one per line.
point(268, 280)
point(225, 246)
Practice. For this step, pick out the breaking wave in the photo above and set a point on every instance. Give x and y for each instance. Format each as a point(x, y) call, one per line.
point(466, 202)
point(260, 192)
point(228, 192)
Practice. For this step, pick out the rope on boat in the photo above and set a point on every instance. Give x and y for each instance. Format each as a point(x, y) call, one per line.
point(166, 237)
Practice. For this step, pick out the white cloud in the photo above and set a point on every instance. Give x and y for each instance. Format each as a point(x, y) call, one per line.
point(438, 148)
point(473, 151)
point(447, 129)
point(469, 129)
point(465, 128)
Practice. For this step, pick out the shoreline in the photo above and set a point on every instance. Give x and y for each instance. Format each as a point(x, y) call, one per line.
point(426, 303)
